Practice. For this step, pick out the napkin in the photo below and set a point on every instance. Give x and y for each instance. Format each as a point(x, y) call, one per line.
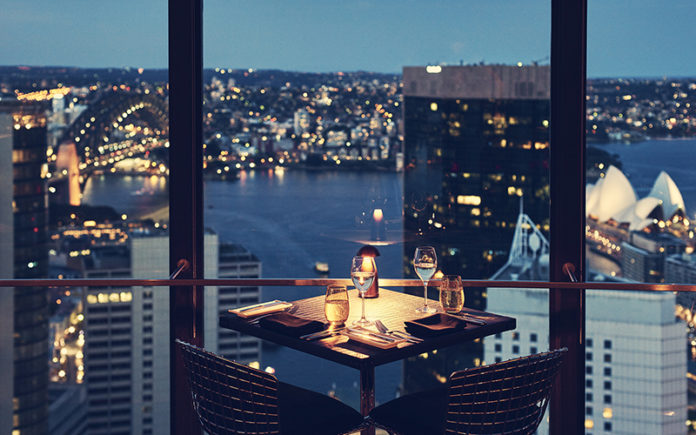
point(437, 324)
point(260, 309)
point(289, 324)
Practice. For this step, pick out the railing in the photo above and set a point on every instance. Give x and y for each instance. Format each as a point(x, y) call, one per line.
point(178, 289)
point(302, 282)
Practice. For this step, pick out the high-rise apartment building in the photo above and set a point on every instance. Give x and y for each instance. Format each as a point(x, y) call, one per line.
point(127, 330)
point(635, 361)
point(234, 261)
point(23, 230)
point(475, 145)
point(643, 255)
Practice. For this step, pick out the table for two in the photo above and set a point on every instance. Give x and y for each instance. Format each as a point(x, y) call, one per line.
point(392, 308)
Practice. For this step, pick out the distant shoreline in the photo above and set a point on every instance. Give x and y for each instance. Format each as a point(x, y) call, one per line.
point(647, 139)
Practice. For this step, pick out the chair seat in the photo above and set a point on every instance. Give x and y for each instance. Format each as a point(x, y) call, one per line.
point(420, 413)
point(306, 412)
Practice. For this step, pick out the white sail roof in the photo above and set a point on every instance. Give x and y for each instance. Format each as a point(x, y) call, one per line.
point(613, 197)
point(636, 215)
point(667, 191)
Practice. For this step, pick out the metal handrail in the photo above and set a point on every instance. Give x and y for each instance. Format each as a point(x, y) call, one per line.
point(308, 282)
point(181, 266)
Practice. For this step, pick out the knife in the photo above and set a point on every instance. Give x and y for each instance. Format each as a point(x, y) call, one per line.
point(470, 319)
point(322, 334)
point(371, 335)
point(251, 307)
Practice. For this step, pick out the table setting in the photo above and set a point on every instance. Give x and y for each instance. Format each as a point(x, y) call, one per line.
point(362, 320)
point(369, 326)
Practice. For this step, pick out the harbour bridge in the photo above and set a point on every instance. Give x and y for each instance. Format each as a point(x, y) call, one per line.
point(114, 127)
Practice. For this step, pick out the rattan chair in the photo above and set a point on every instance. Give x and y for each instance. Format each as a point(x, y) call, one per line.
point(509, 397)
point(231, 398)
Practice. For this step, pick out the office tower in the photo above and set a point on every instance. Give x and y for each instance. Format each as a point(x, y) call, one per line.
point(23, 229)
point(67, 413)
point(127, 330)
point(635, 351)
point(475, 145)
point(234, 262)
point(476, 140)
point(643, 255)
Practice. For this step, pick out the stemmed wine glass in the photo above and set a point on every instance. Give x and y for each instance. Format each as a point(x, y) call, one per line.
point(425, 263)
point(362, 272)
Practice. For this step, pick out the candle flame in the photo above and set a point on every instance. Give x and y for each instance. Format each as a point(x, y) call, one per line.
point(378, 215)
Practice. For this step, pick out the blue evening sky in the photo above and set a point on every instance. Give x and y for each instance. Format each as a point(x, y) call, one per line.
point(626, 37)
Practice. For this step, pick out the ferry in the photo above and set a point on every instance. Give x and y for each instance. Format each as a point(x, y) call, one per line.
point(321, 267)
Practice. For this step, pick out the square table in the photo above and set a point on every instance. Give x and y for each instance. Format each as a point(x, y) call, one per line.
point(392, 308)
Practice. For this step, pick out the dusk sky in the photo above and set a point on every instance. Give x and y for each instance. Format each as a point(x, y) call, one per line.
point(626, 37)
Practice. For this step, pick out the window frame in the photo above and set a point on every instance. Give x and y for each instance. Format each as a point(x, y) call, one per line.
point(567, 205)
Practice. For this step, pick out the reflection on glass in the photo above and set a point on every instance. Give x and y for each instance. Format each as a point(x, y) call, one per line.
point(476, 150)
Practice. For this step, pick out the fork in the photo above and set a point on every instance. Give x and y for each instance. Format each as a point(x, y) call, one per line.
point(381, 327)
point(290, 310)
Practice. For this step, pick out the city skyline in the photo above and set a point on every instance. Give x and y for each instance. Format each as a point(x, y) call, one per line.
point(364, 35)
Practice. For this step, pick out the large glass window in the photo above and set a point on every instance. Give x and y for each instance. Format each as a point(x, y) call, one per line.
point(84, 150)
point(334, 126)
point(640, 208)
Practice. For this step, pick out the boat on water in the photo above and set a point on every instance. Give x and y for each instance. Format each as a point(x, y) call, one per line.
point(321, 267)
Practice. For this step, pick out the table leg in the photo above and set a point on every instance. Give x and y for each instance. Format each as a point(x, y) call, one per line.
point(367, 395)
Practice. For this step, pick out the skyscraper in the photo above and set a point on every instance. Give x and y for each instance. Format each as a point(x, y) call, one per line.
point(635, 354)
point(475, 144)
point(23, 231)
point(127, 330)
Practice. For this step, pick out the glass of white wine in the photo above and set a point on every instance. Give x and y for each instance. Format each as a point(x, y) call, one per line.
point(362, 272)
point(336, 306)
point(451, 294)
point(425, 263)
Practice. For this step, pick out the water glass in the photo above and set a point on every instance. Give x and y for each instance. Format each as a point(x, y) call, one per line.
point(336, 307)
point(451, 294)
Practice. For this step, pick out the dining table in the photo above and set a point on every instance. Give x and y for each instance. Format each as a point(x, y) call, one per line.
point(392, 308)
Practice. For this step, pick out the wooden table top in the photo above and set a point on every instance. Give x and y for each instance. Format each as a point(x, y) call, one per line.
point(392, 308)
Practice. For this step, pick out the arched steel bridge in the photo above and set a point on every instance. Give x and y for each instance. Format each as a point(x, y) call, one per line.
point(95, 126)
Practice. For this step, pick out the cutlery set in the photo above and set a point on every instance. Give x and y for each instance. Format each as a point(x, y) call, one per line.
point(384, 338)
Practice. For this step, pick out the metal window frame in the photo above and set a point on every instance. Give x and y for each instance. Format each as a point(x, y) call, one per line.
point(185, 198)
point(567, 210)
point(566, 308)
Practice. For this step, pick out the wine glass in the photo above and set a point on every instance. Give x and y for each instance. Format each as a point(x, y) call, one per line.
point(451, 294)
point(336, 307)
point(425, 263)
point(362, 272)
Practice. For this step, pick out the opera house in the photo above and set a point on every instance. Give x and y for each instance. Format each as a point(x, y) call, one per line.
point(612, 200)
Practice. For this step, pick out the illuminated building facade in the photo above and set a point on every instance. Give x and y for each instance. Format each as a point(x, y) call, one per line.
point(234, 261)
point(635, 360)
point(23, 232)
point(127, 330)
point(475, 145)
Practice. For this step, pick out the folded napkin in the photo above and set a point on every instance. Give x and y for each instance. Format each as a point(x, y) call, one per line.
point(260, 309)
point(437, 324)
point(288, 324)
